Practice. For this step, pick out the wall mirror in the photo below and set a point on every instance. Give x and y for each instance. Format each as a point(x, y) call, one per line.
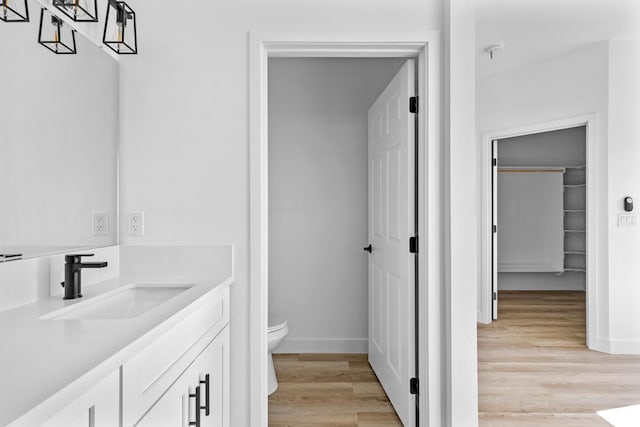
point(58, 144)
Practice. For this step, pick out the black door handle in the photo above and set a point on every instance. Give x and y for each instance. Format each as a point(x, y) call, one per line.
point(196, 397)
point(206, 406)
point(368, 249)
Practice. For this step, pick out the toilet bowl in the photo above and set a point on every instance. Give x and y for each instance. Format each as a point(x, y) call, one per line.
point(275, 336)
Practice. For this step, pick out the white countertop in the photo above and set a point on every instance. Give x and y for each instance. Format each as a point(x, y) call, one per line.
point(49, 362)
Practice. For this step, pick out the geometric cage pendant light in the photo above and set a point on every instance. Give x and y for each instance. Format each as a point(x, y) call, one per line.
point(120, 28)
point(55, 35)
point(78, 10)
point(14, 11)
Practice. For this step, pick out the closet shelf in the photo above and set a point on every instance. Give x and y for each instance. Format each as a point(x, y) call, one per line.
point(574, 256)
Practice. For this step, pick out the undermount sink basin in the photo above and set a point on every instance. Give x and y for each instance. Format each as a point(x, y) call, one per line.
point(123, 303)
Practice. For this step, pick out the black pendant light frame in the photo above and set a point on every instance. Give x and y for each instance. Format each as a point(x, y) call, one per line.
point(123, 13)
point(65, 5)
point(49, 43)
point(21, 17)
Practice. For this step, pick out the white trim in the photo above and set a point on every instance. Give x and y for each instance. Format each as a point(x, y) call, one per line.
point(425, 45)
point(323, 345)
point(622, 346)
point(593, 196)
point(551, 287)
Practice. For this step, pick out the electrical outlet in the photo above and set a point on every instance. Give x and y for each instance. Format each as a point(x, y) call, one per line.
point(136, 223)
point(99, 223)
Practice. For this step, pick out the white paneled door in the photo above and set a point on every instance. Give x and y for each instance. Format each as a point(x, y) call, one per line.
point(391, 223)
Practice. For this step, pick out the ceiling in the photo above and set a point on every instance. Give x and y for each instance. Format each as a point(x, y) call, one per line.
point(534, 30)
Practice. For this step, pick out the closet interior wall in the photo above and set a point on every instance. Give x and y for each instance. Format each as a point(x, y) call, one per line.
point(563, 148)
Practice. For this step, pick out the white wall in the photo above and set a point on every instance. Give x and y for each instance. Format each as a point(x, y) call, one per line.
point(566, 147)
point(59, 141)
point(624, 180)
point(318, 205)
point(185, 119)
point(461, 196)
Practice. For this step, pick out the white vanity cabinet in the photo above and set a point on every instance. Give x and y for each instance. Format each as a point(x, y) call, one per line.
point(198, 397)
point(99, 407)
point(150, 383)
point(158, 375)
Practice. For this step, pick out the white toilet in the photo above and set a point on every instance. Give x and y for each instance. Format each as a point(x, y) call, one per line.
point(275, 336)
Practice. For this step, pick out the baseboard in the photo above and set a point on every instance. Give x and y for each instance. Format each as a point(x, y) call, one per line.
point(482, 317)
point(601, 344)
point(323, 345)
point(541, 282)
point(624, 346)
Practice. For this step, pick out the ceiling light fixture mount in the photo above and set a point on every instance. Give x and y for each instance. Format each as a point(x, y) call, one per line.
point(493, 49)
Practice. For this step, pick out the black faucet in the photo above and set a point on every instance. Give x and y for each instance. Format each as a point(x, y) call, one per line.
point(73, 265)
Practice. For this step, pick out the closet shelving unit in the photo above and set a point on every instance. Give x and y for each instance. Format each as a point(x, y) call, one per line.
point(575, 219)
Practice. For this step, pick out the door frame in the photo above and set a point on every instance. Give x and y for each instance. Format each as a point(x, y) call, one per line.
point(425, 47)
point(594, 194)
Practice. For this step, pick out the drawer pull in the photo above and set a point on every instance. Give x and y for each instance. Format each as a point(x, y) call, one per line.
point(196, 396)
point(207, 405)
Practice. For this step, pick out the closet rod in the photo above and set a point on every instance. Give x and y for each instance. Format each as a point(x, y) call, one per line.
point(529, 170)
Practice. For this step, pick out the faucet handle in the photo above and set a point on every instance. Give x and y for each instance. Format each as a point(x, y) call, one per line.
point(74, 258)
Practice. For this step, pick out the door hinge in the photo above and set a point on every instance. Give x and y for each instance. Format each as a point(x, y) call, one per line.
point(413, 385)
point(495, 162)
point(413, 104)
point(495, 296)
point(413, 245)
point(495, 228)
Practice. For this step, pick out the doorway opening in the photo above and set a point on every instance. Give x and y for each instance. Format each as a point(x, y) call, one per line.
point(539, 215)
point(424, 48)
point(584, 180)
point(341, 174)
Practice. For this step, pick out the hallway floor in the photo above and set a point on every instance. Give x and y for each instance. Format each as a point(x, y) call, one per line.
point(535, 369)
point(328, 390)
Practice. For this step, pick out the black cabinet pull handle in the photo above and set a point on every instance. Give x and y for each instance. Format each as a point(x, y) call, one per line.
point(368, 249)
point(207, 405)
point(195, 395)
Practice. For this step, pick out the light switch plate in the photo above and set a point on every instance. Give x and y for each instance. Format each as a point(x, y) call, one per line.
point(627, 220)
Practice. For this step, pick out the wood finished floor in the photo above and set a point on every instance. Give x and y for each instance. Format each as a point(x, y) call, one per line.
point(338, 390)
point(535, 369)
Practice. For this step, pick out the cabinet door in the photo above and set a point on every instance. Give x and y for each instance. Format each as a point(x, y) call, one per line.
point(169, 409)
point(99, 407)
point(177, 407)
point(148, 375)
point(218, 371)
